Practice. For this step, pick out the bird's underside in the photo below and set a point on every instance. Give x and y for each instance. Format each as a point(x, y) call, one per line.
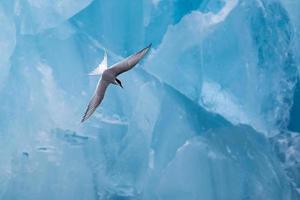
point(109, 76)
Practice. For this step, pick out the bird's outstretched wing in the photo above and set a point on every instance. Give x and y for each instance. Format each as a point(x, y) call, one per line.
point(128, 63)
point(96, 100)
point(101, 68)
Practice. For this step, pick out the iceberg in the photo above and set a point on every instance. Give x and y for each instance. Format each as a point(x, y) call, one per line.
point(210, 113)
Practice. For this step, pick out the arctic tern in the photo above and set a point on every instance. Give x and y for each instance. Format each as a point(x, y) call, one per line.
point(109, 76)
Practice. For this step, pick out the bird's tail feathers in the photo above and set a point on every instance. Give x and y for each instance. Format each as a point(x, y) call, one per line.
point(101, 68)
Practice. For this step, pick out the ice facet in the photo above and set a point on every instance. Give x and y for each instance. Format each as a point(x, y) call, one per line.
point(7, 43)
point(35, 16)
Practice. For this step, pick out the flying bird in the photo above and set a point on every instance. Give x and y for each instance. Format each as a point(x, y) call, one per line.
point(109, 76)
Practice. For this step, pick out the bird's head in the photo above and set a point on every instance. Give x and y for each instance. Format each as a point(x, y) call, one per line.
point(118, 82)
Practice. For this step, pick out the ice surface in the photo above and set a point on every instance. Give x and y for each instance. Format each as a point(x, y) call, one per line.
point(201, 49)
point(295, 111)
point(35, 16)
point(287, 145)
point(7, 43)
point(224, 169)
point(294, 17)
point(174, 131)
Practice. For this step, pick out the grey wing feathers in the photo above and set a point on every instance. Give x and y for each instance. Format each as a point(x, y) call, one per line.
point(96, 100)
point(129, 62)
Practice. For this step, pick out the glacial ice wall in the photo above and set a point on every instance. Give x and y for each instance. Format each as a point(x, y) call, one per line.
point(208, 114)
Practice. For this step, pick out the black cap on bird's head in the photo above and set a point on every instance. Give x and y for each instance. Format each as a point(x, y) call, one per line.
point(119, 83)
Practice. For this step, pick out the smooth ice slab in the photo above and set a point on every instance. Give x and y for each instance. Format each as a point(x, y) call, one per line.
point(35, 16)
point(7, 43)
point(213, 166)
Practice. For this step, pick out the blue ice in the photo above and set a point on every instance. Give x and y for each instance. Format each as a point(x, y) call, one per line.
point(210, 113)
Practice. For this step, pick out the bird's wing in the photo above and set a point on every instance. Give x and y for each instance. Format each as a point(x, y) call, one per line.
point(101, 68)
point(96, 100)
point(128, 63)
